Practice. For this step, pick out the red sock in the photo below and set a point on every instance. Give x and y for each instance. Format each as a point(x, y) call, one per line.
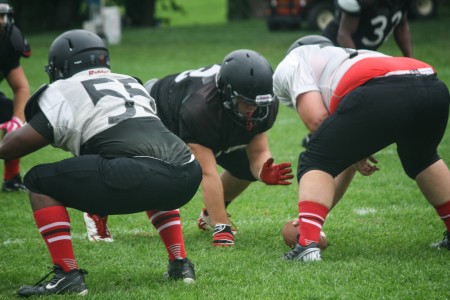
point(443, 211)
point(312, 216)
point(53, 223)
point(168, 224)
point(11, 169)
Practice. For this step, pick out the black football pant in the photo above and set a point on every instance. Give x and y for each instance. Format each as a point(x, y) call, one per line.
point(410, 111)
point(121, 185)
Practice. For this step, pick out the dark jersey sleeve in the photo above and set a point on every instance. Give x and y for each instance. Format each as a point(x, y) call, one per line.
point(12, 47)
point(41, 124)
point(202, 120)
point(205, 121)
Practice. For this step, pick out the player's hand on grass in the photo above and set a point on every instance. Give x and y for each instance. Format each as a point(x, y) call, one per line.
point(367, 166)
point(273, 174)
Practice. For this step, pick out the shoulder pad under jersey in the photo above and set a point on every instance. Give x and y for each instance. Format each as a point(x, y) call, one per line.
point(32, 106)
point(349, 6)
point(19, 43)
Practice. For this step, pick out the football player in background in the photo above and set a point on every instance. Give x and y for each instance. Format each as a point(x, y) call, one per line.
point(13, 46)
point(367, 24)
point(346, 96)
point(223, 113)
point(125, 159)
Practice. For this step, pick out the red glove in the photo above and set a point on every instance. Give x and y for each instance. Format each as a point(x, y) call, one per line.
point(11, 125)
point(276, 174)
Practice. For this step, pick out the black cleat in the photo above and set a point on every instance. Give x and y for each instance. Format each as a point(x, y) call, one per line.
point(223, 236)
point(61, 283)
point(306, 254)
point(14, 184)
point(444, 244)
point(181, 269)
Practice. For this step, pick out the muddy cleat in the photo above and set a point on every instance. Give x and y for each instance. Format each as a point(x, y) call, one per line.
point(181, 269)
point(14, 184)
point(306, 254)
point(61, 283)
point(97, 228)
point(204, 222)
point(444, 244)
point(223, 236)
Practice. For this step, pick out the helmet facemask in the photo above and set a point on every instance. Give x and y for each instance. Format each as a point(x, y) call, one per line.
point(245, 76)
point(249, 120)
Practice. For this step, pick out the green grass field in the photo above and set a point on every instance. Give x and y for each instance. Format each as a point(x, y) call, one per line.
point(379, 234)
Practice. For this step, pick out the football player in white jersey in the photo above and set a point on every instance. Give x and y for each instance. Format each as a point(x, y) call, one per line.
point(125, 159)
point(345, 96)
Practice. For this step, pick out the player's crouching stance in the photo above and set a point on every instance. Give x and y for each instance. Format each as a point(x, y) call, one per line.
point(104, 119)
point(342, 96)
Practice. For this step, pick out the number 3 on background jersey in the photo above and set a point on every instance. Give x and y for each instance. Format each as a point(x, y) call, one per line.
point(380, 23)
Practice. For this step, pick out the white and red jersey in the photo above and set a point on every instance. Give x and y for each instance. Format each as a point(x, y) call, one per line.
point(335, 71)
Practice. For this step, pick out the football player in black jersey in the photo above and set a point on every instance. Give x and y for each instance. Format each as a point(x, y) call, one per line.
point(367, 24)
point(13, 46)
point(223, 113)
point(125, 159)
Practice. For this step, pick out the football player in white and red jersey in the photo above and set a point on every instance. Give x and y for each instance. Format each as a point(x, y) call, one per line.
point(125, 159)
point(223, 113)
point(346, 96)
point(367, 24)
point(13, 46)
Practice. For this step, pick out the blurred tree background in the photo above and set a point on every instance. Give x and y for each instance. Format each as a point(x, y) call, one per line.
point(46, 15)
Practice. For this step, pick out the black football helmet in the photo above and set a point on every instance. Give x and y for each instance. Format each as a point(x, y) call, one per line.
point(247, 75)
point(310, 40)
point(75, 51)
point(6, 13)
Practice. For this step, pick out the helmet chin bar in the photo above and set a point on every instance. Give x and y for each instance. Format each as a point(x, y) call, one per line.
point(262, 102)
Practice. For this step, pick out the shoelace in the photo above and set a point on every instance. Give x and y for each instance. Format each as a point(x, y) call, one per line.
point(43, 278)
point(54, 279)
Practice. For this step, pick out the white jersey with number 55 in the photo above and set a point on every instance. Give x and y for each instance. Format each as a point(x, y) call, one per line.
point(86, 104)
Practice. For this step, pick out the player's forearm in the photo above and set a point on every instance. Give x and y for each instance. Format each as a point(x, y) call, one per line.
point(21, 97)
point(213, 197)
point(402, 37)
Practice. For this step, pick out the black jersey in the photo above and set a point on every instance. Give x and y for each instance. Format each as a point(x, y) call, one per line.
point(12, 46)
point(190, 105)
point(378, 19)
